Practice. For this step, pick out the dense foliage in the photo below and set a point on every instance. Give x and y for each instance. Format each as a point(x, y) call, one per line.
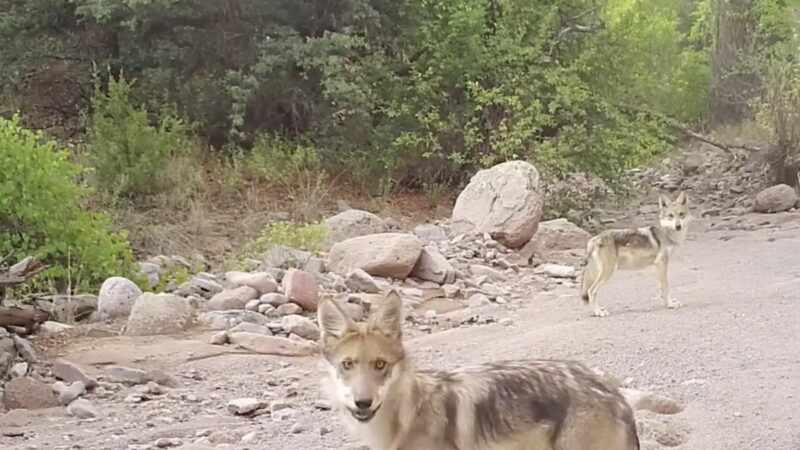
point(43, 212)
point(411, 92)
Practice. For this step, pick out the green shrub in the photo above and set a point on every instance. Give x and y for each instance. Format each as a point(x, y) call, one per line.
point(277, 160)
point(133, 158)
point(43, 211)
point(289, 234)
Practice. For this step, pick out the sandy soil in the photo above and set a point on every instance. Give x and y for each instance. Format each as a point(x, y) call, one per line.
point(731, 355)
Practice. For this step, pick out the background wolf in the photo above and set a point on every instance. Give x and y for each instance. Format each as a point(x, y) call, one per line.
point(636, 248)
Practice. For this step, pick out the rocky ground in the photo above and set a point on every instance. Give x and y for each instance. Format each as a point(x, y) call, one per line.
point(228, 360)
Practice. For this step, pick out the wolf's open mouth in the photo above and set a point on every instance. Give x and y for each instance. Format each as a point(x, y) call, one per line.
point(364, 415)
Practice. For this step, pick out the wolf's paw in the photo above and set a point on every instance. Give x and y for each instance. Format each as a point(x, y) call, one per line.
point(669, 433)
point(600, 312)
point(650, 401)
point(673, 304)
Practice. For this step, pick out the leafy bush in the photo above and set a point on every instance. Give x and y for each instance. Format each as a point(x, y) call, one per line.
point(133, 158)
point(278, 160)
point(43, 211)
point(288, 234)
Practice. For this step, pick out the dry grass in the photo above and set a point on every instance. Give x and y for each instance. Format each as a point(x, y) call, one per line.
point(228, 212)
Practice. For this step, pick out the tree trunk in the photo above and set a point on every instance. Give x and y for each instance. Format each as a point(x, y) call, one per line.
point(733, 81)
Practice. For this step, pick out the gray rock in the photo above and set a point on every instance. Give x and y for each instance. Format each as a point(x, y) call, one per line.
point(560, 234)
point(301, 326)
point(432, 266)
point(274, 299)
point(154, 314)
point(251, 328)
point(126, 375)
point(203, 285)
point(232, 298)
point(19, 369)
point(252, 305)
point(71, 372)
point(505, 201)
point(480, 270)
point(25, 349)
point(83, 409)
point(244, 406)
point(260, 281)
point(556, 270)
point(289, 308)
point(776, 198)
point(315, 266)
point(67, 394)
point(358, 280)
point(390, 255)
point(220, 338)
point(151, 272)
point(353, 223)
point(224, 320)
point(477, 300)
point(51, 328)
point(267, 310)
point(429, 232)
point(117, 296)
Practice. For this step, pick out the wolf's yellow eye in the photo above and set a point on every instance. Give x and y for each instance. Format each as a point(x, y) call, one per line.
point(347, 364)
point(671, 216)
point(682, 215)
point(380, 364)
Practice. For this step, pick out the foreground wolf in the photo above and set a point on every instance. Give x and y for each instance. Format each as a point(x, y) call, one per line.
point(521, 405)
point(636, 248)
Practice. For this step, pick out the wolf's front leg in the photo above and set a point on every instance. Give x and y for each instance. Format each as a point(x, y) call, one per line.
point(661, 270)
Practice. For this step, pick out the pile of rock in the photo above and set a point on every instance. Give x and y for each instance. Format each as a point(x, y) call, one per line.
point(719, 182)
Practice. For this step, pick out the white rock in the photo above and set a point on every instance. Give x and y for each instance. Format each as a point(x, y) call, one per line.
point(154, 314)
point(505, 201)
point(116, 298)
point(556, 270)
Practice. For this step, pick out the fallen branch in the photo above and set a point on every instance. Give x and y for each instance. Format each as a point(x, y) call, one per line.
point(711, 141)
point(27, 318)
point(691, 133)
point(20, 273)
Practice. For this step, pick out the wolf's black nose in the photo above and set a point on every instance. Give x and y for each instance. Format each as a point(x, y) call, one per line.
point(678, 227)
point(364, 403)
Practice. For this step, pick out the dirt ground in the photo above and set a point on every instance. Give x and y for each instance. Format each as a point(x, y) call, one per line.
point(731, 354)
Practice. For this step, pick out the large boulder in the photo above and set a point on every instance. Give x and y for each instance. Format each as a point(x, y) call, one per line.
point(159, 314)
point(116, 298)
point(391, 255)
point(27, 393)
point(353, 223)
point(776, 198)
point(505, 201)
point(232, 298)
point(561, 234)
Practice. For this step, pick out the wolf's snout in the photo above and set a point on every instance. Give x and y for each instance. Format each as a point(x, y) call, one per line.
point(364, 403)
point(678, 226)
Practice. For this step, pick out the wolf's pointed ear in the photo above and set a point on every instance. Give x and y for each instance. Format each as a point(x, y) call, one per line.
point(682, 199)
point(388, 318)
point(332, 320)
point(663, 201)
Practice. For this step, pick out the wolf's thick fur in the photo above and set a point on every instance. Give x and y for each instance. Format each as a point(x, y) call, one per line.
point(514, 405)
point(636, 248)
